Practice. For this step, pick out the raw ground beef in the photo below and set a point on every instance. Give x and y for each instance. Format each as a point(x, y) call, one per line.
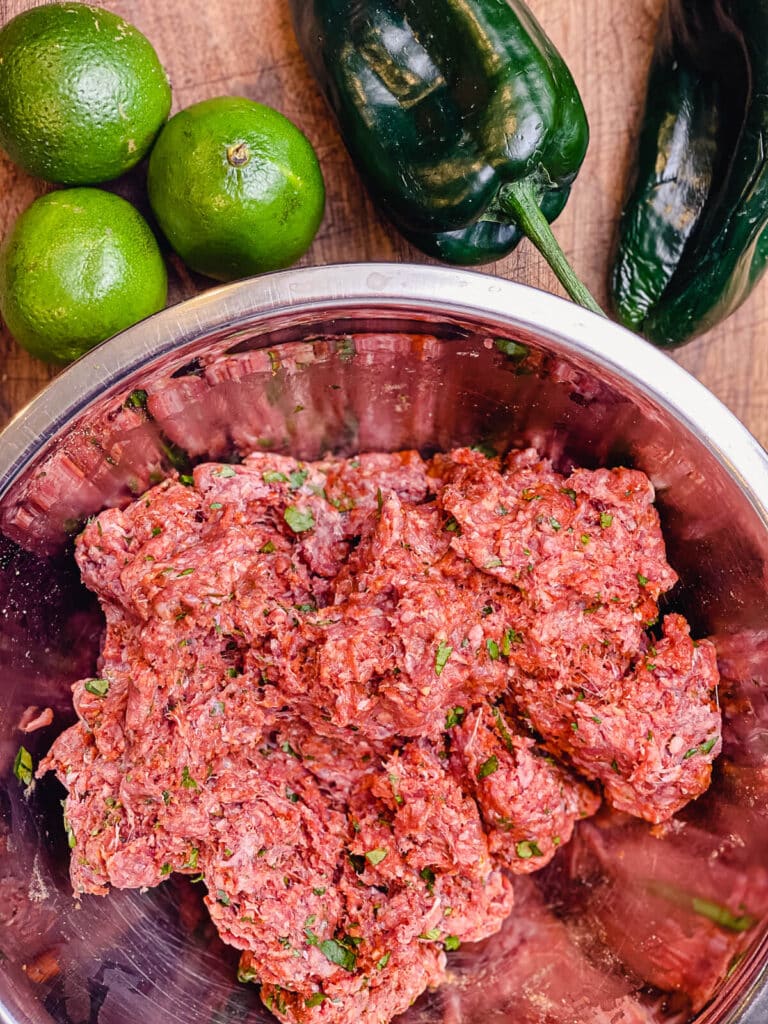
point(357, 697)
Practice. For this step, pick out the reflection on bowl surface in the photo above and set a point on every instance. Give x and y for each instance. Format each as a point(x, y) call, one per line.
point(627, 925)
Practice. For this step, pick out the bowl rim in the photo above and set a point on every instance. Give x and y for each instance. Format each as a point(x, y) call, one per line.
point(403, 287)
point(381, 287)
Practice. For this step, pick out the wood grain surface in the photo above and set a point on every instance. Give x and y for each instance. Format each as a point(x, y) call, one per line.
point(220, 47)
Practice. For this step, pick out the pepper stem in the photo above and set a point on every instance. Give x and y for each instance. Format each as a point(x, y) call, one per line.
point(519, 200)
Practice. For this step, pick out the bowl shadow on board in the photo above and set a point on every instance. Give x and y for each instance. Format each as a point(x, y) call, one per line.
point(377, 382)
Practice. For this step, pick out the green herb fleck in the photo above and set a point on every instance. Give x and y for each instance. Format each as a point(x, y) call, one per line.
point(98, 687)
point(225, 472)
point(432, 935)
point(493, 649)
point(156, 531)
point(527, 849)
point(493, 563)
point(215, 506)
point(642, 580)
point(23, 768)
point(186, 779)
point(273, 477)
point(511, 636)
point(511, 349)
point(338, 954)
point(288, 749)
point(246, 974)
point(443, 653)
point(555, 524)
point(428, 875)
point(319, 891)
point(298, 520)
point(569, 491)
point(383, 961)
point(315, 1000)
point(166, 869)
point(293, 797)
point(186, 479)
point(267, 549)
point(454, 717)
point(605, 520)
point(297, 478)
point(585, 538)
point(376, 856)
point(488, 767)
point(452, 942)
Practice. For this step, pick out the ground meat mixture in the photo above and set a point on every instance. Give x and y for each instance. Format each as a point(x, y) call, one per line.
point(357, 697)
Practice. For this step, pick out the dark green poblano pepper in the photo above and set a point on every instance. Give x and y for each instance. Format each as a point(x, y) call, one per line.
point(693, 240)
point(460, 115)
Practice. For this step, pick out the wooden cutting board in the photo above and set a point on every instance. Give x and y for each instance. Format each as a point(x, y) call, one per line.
point(220, 47)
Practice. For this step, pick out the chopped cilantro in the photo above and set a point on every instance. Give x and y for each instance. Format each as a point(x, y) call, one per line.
point(585, 538)
point(443, 653)
point(320, 891)
point(273, 477)
point(297, 478)
point(338, 954)
point(246, 974)
point(615, 766)
point(165, 869)
point(493, 649)
point(288, 749)
point(428, 875)
point(488, 767)
point(215, 506)
point(186, 779)
point(293, 797)
point(23, 768)
point(511, 349)
point(605, 520)
point(166, 796)
point(722, 915)
point(224, 472)
point(432, 935)
point(186, 479)
point(555, 524)
point(493, 563)
point(452, 942)
point(383, 961)
point(222, 898)
point(511, 636)
point(315, 1000)
point(376, 856)
point(185, 572)
point(706, 747)
point(502, 728)
point(569, 491)
point(527, 849)
point(298, 520)
point(98, 687)
point(137, 399)
point(452, 526)
point(157, 530)
point(642, 580)
point(267, 549)
point(454, 717)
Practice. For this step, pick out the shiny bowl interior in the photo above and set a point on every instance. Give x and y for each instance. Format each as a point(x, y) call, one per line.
point(367, 357)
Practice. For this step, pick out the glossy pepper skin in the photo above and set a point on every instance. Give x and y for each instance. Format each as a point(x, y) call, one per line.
point(692, 239)
point(444, 105)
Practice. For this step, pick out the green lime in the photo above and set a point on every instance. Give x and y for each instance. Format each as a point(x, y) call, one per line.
point(236, 187)
point(82, 93)
point(77, 267)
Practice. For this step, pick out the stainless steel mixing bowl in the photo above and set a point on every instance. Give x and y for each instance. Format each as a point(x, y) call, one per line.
point(359, 357)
